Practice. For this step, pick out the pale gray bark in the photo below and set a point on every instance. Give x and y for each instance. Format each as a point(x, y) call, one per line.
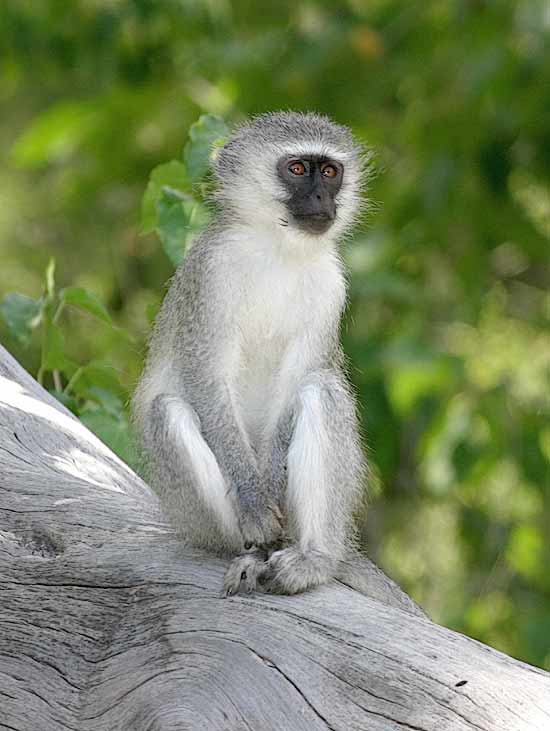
point(107, 623)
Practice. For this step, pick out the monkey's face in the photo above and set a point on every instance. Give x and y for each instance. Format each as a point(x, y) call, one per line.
point(312, 183)
point(298, 176)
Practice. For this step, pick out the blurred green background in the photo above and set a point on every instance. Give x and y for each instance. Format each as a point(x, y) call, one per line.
point(448, 329)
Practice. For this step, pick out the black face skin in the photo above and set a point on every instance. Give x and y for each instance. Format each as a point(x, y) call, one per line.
point(312, 183)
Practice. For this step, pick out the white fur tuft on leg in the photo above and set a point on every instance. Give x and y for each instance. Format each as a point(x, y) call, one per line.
point(184, 432)
point(308, 488)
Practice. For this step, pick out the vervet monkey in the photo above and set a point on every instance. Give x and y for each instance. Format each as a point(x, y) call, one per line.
point(245, 414)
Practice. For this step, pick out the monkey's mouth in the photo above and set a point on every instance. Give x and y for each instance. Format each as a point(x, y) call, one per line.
point(313, 223)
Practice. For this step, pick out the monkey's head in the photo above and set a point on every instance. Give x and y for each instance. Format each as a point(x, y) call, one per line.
point(298, 171)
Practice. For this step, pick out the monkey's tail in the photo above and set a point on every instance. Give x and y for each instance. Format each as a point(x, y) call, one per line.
point(360, 573)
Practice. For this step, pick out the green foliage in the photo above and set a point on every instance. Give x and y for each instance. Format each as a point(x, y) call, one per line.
point(91, 391)
point(207, 133)
point(171, 207)
point(173, 204)
point(179, 219)
point(86, 301)
point(448, 328)
point(21, 314)
point(171, 175)
point(54, 134)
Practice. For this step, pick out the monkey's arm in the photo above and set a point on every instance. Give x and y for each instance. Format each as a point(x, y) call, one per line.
point(258, 514)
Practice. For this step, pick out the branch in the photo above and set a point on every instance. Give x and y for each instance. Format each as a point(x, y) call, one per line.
point(107, 622)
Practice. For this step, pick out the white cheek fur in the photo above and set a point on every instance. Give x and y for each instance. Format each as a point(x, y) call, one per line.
point(258, 198)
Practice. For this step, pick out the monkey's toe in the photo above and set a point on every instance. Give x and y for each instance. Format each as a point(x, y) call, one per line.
point(292, 571)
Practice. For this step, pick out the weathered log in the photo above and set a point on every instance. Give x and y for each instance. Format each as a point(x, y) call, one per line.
point(107, 623)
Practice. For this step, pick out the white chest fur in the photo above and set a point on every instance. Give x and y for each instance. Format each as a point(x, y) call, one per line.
point(282, 305)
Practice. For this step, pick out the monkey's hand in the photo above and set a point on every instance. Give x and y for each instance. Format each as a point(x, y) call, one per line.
point(260, 522)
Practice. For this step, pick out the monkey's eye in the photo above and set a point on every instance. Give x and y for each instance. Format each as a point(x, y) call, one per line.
point(297, 168)
point(329, 171)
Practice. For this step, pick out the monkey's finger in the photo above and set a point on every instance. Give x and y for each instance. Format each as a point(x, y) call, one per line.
point(277, 512)
point(230, 586)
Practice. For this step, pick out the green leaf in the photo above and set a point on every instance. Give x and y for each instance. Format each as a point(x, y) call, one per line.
point(69, 401)
point(115, 431)
point(21, 315)
point(151, 311)
point(171, 174)
point(53, 355)
point(208, 132)
point(96, 374)
point(180, 219)
point(110, 401)
point(84, 300)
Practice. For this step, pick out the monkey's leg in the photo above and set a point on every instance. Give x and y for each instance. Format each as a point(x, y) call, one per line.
point(184, 463)
point(325, 472)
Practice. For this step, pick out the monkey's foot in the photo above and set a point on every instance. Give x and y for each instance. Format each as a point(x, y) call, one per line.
point(242, 574)
point(291, 571)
